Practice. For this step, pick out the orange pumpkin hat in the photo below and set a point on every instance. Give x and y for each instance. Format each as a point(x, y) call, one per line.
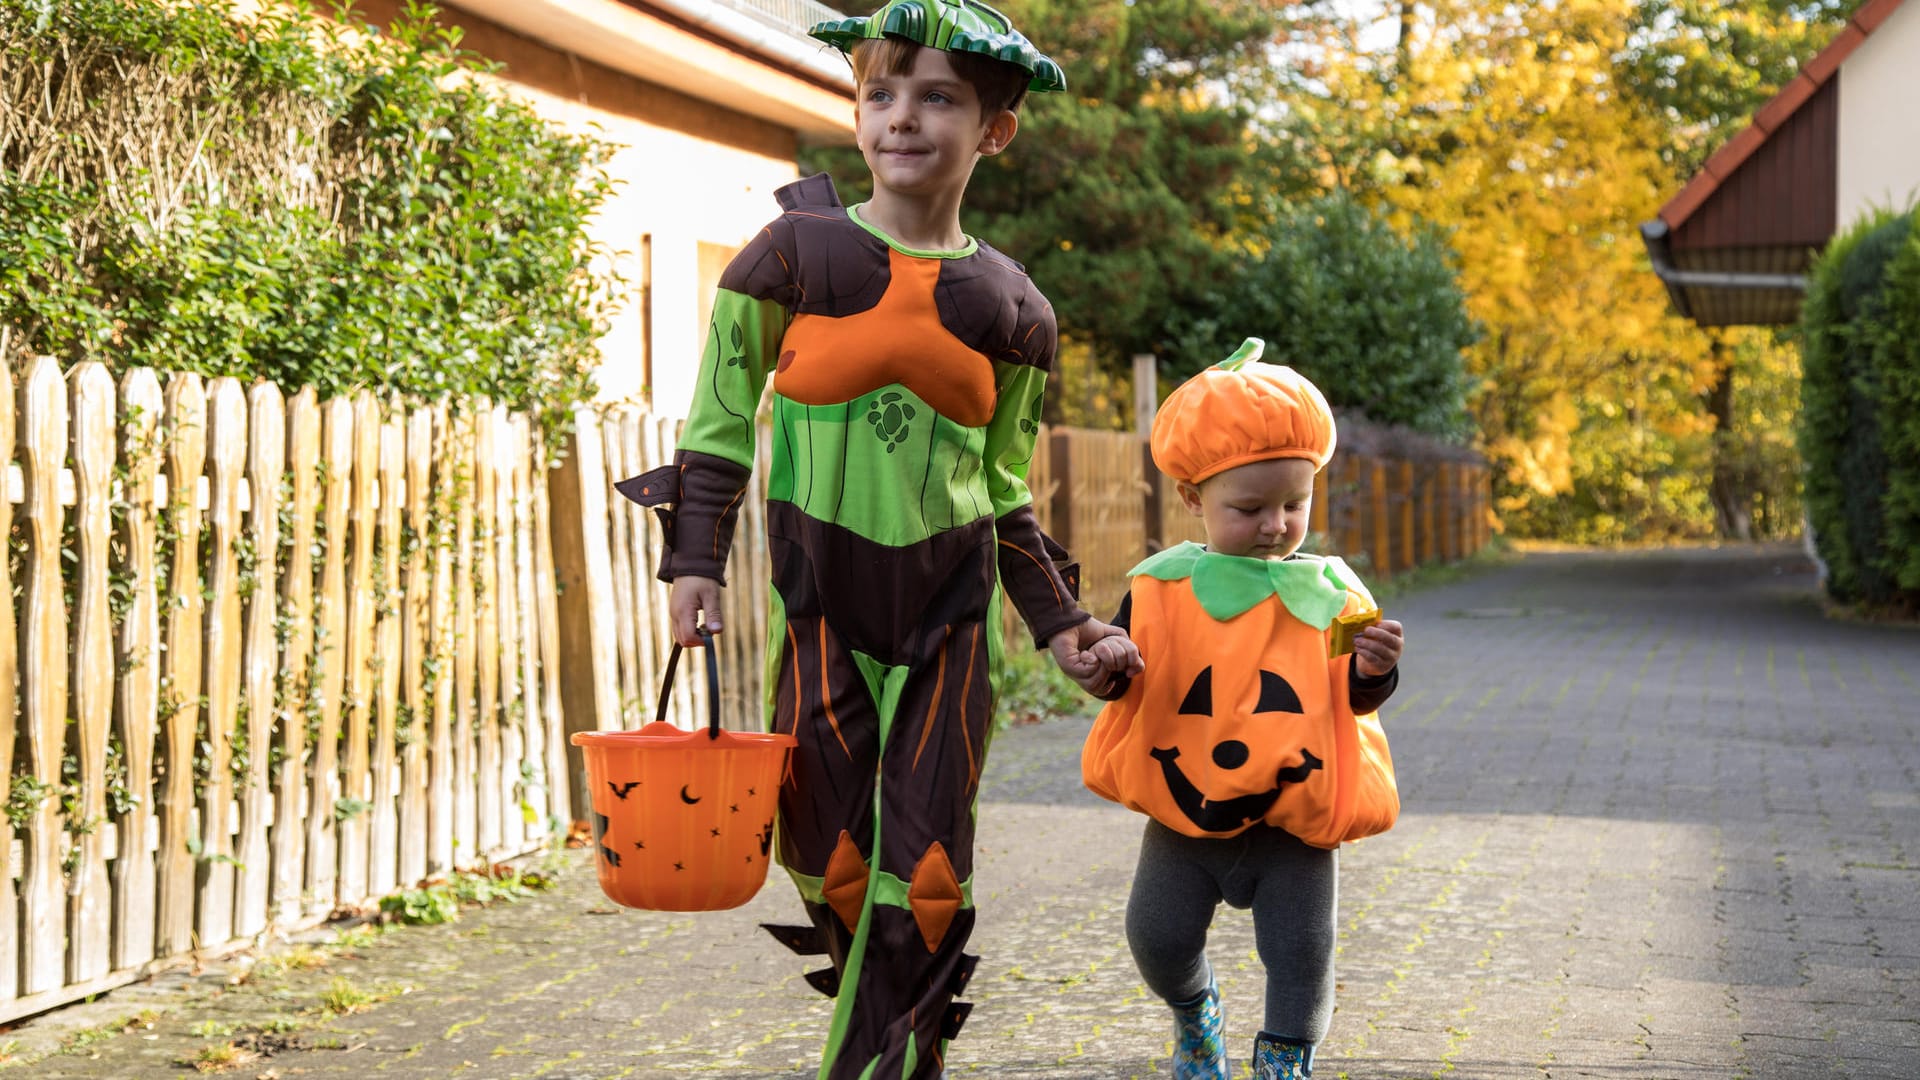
point(1240, 411)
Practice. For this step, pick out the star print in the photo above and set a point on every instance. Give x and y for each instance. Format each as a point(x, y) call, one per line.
point(640, 845)
point(733, 809)
point(716, 832)
point(679, 866)
point(751, 792)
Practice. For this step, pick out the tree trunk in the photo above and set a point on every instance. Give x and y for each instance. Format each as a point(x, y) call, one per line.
point(1732, 513)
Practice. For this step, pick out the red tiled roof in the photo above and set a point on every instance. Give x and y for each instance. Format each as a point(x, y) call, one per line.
point(1816, 73)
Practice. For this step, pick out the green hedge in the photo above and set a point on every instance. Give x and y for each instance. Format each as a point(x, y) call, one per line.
point(1376, 319)
point(1859, 429)
point(316, 202)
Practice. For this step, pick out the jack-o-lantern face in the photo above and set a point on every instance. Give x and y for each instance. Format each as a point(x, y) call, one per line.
point(1278, 700)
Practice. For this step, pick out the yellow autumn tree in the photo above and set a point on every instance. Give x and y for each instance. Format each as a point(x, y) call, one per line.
point(1502, 124)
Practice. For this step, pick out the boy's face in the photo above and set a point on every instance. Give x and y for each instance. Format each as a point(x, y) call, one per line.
point(921, 132)
point(1258, 510)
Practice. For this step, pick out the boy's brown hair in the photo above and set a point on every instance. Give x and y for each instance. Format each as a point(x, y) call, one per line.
point(998, 84)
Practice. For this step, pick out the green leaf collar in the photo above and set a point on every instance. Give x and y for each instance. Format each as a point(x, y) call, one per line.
point(1313, 588)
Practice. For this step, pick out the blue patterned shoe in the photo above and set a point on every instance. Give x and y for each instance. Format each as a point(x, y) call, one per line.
point(1199, 1038)
point(1275, 1058)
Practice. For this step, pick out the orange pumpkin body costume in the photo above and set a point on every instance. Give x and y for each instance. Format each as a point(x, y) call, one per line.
point(1242, 720)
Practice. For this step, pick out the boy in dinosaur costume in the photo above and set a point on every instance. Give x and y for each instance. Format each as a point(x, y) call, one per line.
point(907, 362)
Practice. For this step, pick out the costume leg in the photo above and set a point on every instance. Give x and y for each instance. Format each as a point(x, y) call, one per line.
point(1295, 907)
point(1175, 892)
point(826, 800)
point(936, 715)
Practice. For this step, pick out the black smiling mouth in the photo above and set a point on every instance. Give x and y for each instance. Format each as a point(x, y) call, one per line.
point(1228, 814)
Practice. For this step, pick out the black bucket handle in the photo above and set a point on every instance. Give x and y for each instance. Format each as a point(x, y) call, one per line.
point(713, 685)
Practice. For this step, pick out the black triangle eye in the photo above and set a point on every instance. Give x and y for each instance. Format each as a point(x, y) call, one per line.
point(1276, 695)
point(1199, 699)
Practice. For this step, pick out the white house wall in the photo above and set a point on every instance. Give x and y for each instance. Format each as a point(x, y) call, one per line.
point(1879, 140)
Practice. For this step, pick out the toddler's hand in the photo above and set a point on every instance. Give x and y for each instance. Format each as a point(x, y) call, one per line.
point(1377, 648)
point(1093, 652)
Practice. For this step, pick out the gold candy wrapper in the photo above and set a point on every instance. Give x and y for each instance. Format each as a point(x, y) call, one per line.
point(1346, 628)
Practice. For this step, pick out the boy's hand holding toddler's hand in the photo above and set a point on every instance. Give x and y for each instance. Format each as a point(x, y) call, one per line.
point(1377, 648)
point(1093, 652)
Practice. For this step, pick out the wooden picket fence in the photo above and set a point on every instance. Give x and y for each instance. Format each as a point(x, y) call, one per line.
point(271, 657)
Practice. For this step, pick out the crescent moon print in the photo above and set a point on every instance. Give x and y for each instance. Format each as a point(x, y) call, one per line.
point(686, 798)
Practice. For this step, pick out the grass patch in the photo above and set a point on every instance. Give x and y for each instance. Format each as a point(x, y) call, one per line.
point(344, 999)
point(441, 902)
point(220, 1057)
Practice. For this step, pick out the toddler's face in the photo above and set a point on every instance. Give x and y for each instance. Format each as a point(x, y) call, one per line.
point(1258, 511)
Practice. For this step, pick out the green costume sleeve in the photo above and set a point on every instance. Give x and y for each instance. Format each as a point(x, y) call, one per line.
point(1029, 560)
point(1011, 434)
point(743, 343)
point(714, 461)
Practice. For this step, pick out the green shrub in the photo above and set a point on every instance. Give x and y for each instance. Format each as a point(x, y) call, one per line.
point(1376, 319)
point(1859, 428)
point(315, 202)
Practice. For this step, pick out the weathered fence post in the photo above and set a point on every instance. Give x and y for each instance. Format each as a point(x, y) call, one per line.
point(296, 595)
point(136, 698)
point(9, 686)
point(589, 680)
point(226, 460)
point(415, 628)
point(180, 698)
point(266, 462)
point(43, 671)
point(383, 822)
point(89, 910)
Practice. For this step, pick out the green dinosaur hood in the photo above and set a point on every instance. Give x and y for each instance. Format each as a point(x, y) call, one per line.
point(967, 26)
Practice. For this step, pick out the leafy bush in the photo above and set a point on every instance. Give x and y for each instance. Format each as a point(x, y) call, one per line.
point(1376, 319)
point(293, 198)
point(1859, 430)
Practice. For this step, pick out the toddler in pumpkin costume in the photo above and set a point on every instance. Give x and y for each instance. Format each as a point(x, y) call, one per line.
point(1254, 753)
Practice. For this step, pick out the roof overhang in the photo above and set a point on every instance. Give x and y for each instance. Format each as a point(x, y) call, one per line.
point(700, 48)
point(1733, 247)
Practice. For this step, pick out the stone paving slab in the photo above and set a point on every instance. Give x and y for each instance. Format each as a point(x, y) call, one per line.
point(1660, 819)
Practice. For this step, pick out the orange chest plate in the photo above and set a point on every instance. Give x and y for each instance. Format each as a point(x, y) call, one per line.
point(827, 360)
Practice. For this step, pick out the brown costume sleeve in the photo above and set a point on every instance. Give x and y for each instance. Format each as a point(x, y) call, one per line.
point(698, 500)
point(1045, 592)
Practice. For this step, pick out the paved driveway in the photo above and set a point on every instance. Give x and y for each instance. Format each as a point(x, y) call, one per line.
point(1660, 821)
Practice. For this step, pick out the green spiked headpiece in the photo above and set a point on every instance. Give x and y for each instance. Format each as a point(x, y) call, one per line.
point(961, 26)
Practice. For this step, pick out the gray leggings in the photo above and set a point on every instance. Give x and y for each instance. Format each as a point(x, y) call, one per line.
point(1293, 890)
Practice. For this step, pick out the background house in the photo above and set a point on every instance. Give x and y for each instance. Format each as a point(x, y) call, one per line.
point(708, 100)
point(1844, 136)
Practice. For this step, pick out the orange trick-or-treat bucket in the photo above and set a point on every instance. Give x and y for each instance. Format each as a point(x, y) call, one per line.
point(683, 820)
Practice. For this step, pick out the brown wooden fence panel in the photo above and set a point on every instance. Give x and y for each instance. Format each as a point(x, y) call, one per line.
point(89, 906)
point(465, 795)
point(383, 818)
point(9, 687)
point(416, 630)
point(441, 810)
point(294, 796)
point(43, 673)
point(330, 660)
point(507, 617)
point(226, 464)
point(137, 692)
point(266, 462)
point(486, 590)
point(180, 686)
point(355, 768)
